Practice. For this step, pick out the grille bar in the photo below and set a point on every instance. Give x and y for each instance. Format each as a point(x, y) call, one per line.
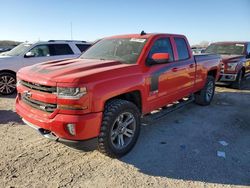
point(38, 87)
point(47, 107)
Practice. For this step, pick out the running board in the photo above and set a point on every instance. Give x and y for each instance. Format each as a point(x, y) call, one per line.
point(162, 112)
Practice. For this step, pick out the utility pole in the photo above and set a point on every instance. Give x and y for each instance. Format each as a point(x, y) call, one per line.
point(71, 32)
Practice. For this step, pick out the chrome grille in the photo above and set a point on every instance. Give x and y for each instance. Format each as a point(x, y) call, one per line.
point(38, 87)
point(47, 107)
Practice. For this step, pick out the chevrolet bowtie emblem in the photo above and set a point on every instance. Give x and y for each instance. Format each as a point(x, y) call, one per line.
point(27, 94)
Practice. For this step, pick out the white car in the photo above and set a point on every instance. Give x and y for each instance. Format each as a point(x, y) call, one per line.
point(27, 54)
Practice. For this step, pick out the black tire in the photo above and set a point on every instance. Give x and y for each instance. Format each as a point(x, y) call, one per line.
point(205, 96)
point(238, 83)
point(7, 83)
point(114, 111)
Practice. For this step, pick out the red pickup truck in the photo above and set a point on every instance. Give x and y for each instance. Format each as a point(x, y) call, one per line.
point(236, 61)
point(105, 92)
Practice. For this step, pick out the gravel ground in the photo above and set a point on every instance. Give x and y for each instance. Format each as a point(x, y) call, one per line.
point(179, 150)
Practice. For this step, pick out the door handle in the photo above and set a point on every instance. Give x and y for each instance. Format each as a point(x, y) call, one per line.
point(191, 65)
point(175, 69)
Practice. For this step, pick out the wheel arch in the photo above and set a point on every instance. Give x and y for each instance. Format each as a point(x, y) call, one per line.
point(212, 72)
point(8, 71)
point(133, 96)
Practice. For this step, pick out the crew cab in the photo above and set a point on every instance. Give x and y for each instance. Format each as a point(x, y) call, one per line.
point(28, 53)
point(105, 92)
point(236, 61)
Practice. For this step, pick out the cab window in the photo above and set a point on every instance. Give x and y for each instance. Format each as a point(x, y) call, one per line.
point(40, 51)
point(182, 48)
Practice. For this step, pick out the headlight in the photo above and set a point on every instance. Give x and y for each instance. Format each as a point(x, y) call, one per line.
point(232, 66)
point(71, 93)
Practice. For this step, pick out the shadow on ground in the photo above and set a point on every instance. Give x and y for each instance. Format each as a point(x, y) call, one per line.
point(184, 144)
point(9, 117)
point(9, 96)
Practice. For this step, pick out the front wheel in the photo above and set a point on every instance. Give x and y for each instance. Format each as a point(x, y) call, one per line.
point(7, 83)
point(205, 96)
point(120, 128)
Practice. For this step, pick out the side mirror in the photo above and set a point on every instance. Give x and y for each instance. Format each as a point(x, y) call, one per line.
point(29, 54)
point(160, 57)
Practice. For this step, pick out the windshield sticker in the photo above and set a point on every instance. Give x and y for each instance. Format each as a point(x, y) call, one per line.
point(137, 40)
point(239, 45)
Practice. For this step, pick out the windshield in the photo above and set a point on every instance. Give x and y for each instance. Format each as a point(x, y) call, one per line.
point(126, 50)
point(20, 49)
point(231, 49)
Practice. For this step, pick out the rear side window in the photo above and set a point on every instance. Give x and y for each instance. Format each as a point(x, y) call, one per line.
point(162, 45)
point(60, 49)
point(83, 47)
point(182, 48)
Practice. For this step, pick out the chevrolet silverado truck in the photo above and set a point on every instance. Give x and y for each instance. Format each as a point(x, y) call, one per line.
point(236, 61)
point(105, 93)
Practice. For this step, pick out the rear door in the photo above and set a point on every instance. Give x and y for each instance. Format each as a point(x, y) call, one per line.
point(183, 73)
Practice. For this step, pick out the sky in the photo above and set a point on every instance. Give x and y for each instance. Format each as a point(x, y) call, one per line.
point(199, 20)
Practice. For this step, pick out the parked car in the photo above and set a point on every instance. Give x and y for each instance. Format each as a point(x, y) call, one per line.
point(4, 49)
point(198, 50)
point(236, 61)
point(111, 86)
point(27, 54)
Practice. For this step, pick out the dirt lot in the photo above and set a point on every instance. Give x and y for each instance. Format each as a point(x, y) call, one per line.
point(178, 151)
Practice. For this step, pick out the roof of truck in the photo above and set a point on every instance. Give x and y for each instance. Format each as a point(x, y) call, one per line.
point(143, 36)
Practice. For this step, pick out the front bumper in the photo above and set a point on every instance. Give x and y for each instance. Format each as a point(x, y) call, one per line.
point(86, 145)
point(227, 78)
point(87, 126)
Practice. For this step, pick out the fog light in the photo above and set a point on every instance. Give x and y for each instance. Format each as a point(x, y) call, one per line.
point(71, 129)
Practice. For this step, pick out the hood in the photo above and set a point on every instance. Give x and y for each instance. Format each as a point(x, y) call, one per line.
point(228, 58)
point(72, 71)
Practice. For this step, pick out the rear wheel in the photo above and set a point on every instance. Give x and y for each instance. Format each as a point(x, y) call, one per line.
point(238, 83)
point(7, 83)
point(120, 128)
point(205, 96)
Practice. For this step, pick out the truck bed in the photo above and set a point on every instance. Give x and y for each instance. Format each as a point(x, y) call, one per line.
point(205, 57)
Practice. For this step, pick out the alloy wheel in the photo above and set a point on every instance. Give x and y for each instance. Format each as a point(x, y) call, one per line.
point(122, 130)
point(7, 84)
point(210, 90)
